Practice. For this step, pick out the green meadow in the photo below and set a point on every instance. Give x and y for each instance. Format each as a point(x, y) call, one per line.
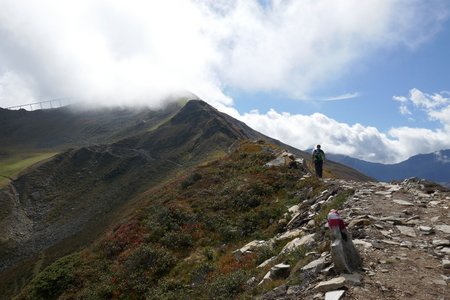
point(14, 163)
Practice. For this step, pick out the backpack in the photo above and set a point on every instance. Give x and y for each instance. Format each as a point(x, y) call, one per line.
point(318, 155)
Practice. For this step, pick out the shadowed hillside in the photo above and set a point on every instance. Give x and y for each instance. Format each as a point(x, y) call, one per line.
point(28, 137)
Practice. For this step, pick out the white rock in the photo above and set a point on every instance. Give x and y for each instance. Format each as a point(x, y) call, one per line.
point(385, 233)
point(443, 228)
point(425, 228)
point(267, 262)
point(403, 202)
point(383, 193)
point(294, 209)
point(314, 264)
point(390, 242)
point(405, 230)
point(363, 243)
point(280, 271)
point(406, 244)
point(434, 219)
point(334, 295)
point(297, 242)
point(265, 279)
point(445, 250)
point(248, 248)
point(437, 243)
point(293, 218)
point(277, 162)
point(332, 284)
point(252, 281)
point(289, 234)
point(446, 264)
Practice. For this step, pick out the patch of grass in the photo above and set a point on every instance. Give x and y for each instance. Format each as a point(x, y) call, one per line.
point(11, 166)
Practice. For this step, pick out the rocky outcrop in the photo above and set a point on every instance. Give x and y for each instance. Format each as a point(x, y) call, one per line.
point(401, 231)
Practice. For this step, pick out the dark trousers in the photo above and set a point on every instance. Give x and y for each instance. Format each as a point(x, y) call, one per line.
point(319, 168)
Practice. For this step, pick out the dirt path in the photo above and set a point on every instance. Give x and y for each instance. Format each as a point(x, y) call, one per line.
point(402, 238)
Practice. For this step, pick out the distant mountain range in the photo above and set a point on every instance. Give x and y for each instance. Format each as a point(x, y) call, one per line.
point(432, 166)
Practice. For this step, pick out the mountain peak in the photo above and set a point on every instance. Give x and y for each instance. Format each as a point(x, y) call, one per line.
point(192, 110)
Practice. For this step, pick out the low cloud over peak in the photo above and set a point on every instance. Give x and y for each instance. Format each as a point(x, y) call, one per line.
point(137, 51)
point(140, 52)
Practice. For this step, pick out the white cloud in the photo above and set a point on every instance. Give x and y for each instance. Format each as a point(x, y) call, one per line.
point(303, 132)
point(14, 89)
point(441, 156)
point(342, 97)
point(422, 100)
point(363, 142)
point(136, 51)
point(436, 106)
point(401, 99)
point(404, 110)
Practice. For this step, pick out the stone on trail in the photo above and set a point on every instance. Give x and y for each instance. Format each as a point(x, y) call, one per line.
point(426, 229)
point(359, 222)
point(437, 243)
point(317, 265)
point(405, 230)
point(393, 220)
point(445, 251)
point(334, 295)
point(330, 285)
point(383, 193)
point(365, 244)
point(446, 264)
point(352, 279)
point(403, 202)
point(443, 228)
point(406, 244)
point(434, 219)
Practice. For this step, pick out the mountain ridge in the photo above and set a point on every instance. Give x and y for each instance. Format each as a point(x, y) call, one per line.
point(52, 207)
point(433, 166)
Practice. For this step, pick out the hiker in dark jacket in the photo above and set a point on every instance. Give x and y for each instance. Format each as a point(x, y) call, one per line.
point(318, 157)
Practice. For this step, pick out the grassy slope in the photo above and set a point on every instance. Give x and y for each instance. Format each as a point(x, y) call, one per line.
point(11, 165)
point(88, 186)
point(178, 241)
point(264, 197)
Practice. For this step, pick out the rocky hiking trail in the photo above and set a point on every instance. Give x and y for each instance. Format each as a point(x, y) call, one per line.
point(401, 231)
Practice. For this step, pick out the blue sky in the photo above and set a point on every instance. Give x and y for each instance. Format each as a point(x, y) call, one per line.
point(376, 80)
point(367, 79)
